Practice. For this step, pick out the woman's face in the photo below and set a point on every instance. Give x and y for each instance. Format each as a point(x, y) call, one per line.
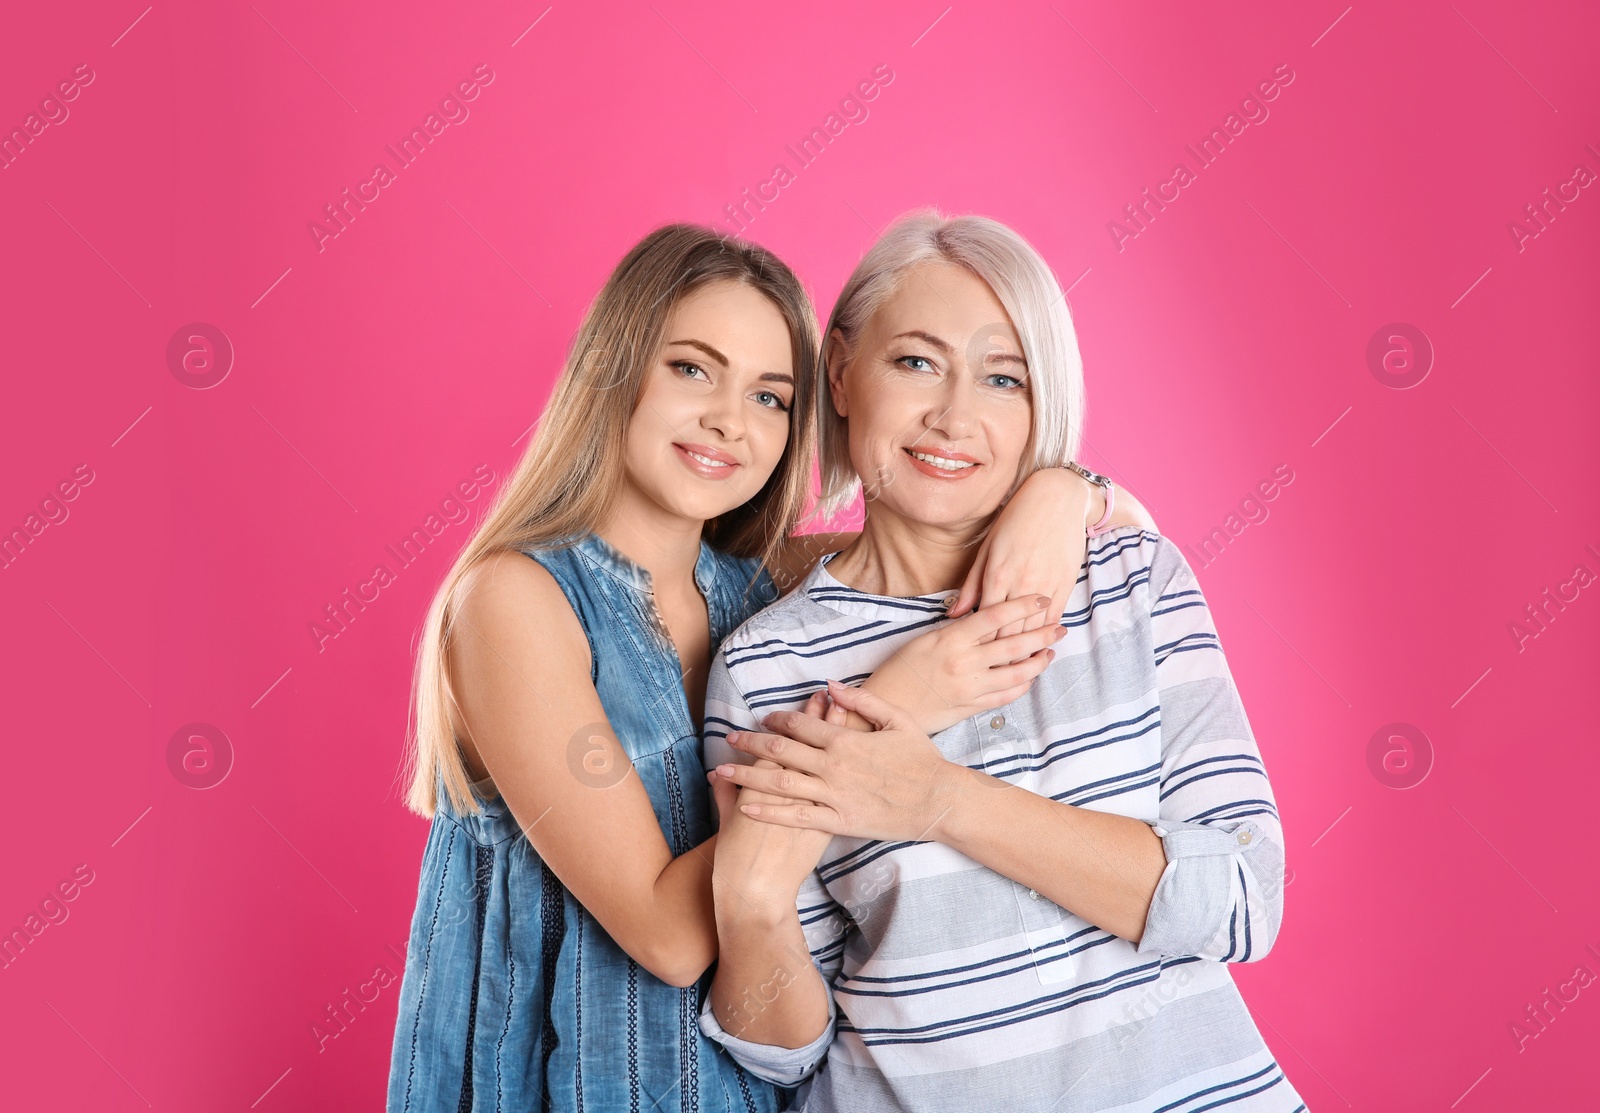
point(937, 399)
point(713, 417)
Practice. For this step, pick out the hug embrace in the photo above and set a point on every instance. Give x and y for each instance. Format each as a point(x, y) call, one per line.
point(959, 812)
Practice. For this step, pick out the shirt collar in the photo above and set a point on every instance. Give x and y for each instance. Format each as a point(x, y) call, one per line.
point(636, 576)
point(822, 587)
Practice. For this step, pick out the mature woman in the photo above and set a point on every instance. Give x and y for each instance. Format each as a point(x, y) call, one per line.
point(1035, 909)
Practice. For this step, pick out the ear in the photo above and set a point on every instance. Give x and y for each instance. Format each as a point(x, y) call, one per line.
point(837, 356)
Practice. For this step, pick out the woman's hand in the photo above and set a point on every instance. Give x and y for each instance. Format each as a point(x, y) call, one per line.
point(1035, 545)
point(757, 863)
point(1038, 541)
point(963, 668)
point(892, 784)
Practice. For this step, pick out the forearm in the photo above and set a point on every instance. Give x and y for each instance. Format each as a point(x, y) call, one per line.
point(680, 917)
point(1097, 865)
point(766, 989)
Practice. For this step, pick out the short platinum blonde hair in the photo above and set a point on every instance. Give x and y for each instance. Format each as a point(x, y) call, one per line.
point(1024, 285)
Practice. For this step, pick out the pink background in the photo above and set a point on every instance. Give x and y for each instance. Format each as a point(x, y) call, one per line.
point(1229, 338)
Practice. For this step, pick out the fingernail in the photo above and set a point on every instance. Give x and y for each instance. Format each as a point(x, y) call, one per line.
point(750, 809)
point(1041, 602)
point(725, 769)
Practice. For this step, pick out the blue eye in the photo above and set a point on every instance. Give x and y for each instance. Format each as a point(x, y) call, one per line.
point(1010, 379)
point(684, 368)
point(775, 401)
point(907, 360)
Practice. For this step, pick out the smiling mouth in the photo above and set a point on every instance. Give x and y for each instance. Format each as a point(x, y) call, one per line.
point(704, 465)
point(943, 463)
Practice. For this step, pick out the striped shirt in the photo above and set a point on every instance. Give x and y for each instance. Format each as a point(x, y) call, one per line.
point(954, 988)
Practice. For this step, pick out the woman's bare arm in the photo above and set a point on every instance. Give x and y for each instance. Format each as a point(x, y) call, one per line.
point(519, 661)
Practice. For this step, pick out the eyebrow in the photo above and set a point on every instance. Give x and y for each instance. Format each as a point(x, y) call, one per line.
point(704, 347)
point(926, 337)
point(766, 376)
point(929, 338)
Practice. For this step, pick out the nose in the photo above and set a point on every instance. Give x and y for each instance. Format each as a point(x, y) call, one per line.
point(952, 413)
point(724, 412)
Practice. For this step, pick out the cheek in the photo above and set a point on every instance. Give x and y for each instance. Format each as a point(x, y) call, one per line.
point(1009, 430)
point(647, 442)
point(880, 421)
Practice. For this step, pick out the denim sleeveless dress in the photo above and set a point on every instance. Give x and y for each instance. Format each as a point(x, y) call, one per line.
point(514, 997)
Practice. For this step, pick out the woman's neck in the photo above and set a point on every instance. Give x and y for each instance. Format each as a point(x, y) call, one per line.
point(665, 545)
point(898, 557)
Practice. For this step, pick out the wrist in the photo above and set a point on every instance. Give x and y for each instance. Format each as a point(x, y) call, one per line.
point(1071, 483)
point(750, 908)
point(947, 801)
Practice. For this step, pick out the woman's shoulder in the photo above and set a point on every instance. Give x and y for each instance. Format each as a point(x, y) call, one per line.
point(1135, 555)
point(518, 587)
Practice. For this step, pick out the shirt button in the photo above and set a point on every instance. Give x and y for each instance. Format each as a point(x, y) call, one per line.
point(1244, 837)
point(997, 722)
point(1033, 894)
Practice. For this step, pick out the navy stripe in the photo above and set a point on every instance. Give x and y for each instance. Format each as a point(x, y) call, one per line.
point(1208, 760)
point(1267, 807)
point(924, 1029)
point(1105, 595)
point(824, 595)
point(870, 844)
point(1206, 641)
point(1153, 714)
point(1241, 1097)
point(1081, 801)
point(1057, 1004)
point(1245, 888)
point(787, 644)
point(799, 687)
point(1179, 607)
point(878, 637)
point(1170, 789)
point(1033, 956)
point(1213, 1089)
point(1195, 635)
point(831, 875)
point(1243, 813)
point(971, 965)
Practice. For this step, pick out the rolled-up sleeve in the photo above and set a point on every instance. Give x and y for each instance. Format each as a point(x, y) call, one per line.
point(782, 1066)
point(1220, 896)
point(823, 920)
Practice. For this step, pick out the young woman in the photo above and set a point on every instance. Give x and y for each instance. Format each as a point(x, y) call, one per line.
point(1034, 909)
point(564, 925)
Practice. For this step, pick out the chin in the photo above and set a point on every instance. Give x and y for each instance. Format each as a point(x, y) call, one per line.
point(687, 504)
point(931, 511)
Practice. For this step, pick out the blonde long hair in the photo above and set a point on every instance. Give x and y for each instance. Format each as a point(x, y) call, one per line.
point(567, 482)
